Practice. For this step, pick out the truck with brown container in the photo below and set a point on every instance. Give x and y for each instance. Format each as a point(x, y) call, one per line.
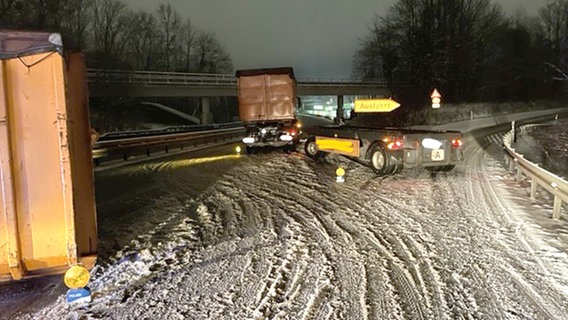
point(267, 108)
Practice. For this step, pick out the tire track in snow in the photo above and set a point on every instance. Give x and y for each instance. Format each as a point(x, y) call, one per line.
point(409, 291)
point(330, 235)
point(408, 255)
point(525, 254)
point(499, 227)
point(526, 289)
point(412, 292)
point(432, 282)
point(265, 193)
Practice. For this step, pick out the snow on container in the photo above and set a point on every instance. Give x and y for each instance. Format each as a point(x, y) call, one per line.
point(47, 203)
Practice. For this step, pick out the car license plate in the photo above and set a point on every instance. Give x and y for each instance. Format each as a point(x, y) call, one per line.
point(438, 155)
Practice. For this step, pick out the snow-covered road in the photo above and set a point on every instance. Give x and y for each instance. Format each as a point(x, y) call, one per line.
point(274, 236)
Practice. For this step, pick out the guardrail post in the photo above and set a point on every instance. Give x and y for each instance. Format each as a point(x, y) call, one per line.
point(513, 131)
point(557, 208)
point(534, 185)
point(519, 171)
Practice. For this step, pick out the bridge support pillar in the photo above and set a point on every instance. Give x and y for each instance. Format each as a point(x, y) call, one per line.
point(339, 114)
point(206, 116)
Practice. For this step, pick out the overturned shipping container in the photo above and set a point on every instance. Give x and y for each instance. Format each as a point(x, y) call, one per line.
point(47, 204)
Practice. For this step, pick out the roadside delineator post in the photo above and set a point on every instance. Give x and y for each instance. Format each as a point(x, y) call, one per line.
point(76, 279)
point(340, 172)
point(436, 99)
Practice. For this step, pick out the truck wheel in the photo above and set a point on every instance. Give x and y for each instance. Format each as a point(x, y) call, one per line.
point(311, 149)
point(396, 165)
point(379, 160)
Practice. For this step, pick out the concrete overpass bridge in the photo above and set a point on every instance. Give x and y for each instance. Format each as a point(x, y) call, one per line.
point(120, 83)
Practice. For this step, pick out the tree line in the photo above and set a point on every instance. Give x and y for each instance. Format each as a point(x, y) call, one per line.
point(469, 49)
point(113, 36)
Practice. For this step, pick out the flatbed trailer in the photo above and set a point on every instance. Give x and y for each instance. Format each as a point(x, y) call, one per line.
point(387, 150)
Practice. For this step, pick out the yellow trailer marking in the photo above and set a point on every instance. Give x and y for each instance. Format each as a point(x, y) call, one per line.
point(348, 147)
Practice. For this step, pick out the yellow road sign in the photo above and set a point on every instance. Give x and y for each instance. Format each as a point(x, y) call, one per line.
point(375, 105)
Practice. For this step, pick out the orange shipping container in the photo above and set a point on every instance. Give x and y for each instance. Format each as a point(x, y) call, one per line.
point(47, 204)
point(266, 94)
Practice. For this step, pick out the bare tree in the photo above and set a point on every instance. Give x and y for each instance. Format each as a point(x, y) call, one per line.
point(35, 14)
point(187, 41)
point(211, 56)
point(142, 41)
point(109, 18)
point(431, 43)
point(76, 17)
point(8, 11)
point(112, 36)
point(378, 56)
point(554, 17)
point(169, 23)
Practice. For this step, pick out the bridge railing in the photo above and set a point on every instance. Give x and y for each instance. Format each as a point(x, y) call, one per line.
point(180, 78)
point(158, 77)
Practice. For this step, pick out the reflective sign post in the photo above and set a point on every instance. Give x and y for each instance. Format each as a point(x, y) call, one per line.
point(436, 99)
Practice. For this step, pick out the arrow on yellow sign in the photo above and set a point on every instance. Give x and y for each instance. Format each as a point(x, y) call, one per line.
point(375, 105)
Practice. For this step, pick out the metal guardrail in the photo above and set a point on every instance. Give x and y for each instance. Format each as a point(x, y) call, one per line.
point(168, 130)
point(146, 145)
point(538, 176)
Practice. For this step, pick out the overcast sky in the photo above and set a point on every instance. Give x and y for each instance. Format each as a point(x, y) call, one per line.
point(318, 38)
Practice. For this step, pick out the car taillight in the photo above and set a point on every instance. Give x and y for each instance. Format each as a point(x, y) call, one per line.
point(457, 143)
